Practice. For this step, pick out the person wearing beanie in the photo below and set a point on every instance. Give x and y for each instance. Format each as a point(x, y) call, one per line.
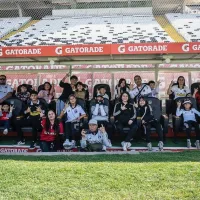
point(95, 139)
point(144, 111)
point(189, 117)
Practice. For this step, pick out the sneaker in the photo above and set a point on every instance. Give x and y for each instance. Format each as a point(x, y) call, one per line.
point(5, 131)
point(149, 146)
point(125, 146)
point(197, 144)
point(122, 143)
point(110, 143)
point(33, 145)
point(18, 143)
point(73, 144)
point(160, 145)
point(67, 144)
point(189, 143)
point(104, 148)
point(128, 145)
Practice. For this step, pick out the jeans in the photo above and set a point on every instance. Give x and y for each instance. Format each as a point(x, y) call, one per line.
point(5, 124)
point(46, 146)
point(59, 106)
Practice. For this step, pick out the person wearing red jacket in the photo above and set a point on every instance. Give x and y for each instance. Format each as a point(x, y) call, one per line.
point(51, 130)
point(5, 115)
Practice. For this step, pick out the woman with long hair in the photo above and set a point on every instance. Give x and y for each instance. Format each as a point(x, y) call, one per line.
point(125, 116)
point(121, 87)
point(73, 114)
point(179, 89)
point(52, 129)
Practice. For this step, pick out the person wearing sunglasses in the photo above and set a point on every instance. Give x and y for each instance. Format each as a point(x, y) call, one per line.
point(5, 89)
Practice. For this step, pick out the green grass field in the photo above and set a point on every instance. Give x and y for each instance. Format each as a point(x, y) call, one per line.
point(144, 176)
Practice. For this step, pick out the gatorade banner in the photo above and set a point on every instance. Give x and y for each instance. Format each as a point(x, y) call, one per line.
point(99, 49)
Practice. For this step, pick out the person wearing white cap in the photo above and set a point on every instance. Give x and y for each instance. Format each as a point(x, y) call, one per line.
point(95, 139)
point(189, 118)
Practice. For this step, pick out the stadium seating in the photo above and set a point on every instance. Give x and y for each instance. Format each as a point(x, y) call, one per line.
point(90, 30)
point(8, 25)
point(187, 25)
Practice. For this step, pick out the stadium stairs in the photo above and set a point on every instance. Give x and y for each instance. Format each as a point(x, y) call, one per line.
point(165, 24)
point(19, 30)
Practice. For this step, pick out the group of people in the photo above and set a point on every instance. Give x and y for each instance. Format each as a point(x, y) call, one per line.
point(61, 123)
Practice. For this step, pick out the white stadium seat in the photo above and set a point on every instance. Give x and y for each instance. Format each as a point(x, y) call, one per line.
point(8, 25)
point(187, 25)
point(90, 30)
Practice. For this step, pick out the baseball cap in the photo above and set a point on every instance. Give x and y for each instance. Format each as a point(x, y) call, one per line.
point(93, 121)
point(187, 101)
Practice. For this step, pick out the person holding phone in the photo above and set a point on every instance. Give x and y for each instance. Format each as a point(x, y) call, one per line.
point(95, 139)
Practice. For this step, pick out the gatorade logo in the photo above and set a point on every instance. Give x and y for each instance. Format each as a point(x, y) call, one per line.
point(1, 52)
point(185, 47)
point(121, 49)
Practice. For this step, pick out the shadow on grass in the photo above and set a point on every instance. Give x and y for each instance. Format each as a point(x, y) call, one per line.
point(186, 156)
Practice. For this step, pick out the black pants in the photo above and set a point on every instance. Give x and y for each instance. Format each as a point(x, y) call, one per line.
point(126, 136)
point(33, 122)
point(46, 146)
point(188, 125)
point(71, 132)
point(147, 130)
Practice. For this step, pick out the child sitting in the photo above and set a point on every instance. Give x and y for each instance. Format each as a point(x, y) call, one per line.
point(5, 115)
point(23, 95)
point(154, 88)
point(34, 112)
point(102, 91)
point(80, 91)
point(144, 111)
point(189, 119)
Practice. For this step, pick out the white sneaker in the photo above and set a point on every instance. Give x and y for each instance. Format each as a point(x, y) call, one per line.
point(73, 144)
point(197, 144)
point(110, 143)
point(149, 146)
point(67, 144)
point(104, 148)
point(122, 143)
point(125, 146)
point(128, 145)
point(19, 143)
point(5, 131)
point(189, 143)
point(160, 145)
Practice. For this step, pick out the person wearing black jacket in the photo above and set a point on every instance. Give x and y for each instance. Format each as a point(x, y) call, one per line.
point(68, 89)
point(125, 116)
point(33, 113)
point(144, 111)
